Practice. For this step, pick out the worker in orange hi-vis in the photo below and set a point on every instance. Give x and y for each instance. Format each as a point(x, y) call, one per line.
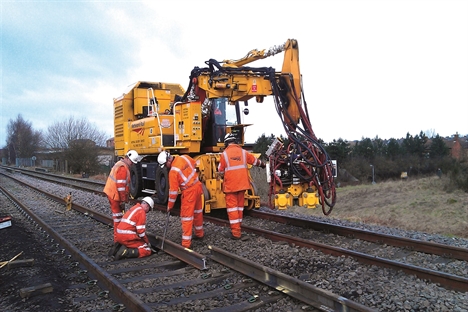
point(117, 186)
point(132, 241)
point(233, 167)
point(183, 175)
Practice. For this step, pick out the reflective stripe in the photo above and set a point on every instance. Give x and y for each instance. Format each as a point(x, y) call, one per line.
point(228, 165)
point(231, 209)
point(185, 180)
point(198, 211)
point(198, 227)
point(139, 227)
point(234, 221)
point(173, 192)
point(126, 232)
point(111, 188)
point(186, 218)
point(128, 221)
point(186, 237)
point(144, 247)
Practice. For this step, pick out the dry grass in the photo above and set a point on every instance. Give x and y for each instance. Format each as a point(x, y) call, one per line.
point(418, 205)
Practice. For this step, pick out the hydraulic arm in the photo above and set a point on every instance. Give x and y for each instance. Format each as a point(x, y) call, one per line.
point(299, 172)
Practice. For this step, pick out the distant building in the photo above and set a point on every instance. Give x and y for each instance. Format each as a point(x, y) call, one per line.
point(456, 148)
point(110, 143)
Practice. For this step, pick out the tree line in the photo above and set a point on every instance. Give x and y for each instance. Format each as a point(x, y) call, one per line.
point(376, 159)
point(77, 142)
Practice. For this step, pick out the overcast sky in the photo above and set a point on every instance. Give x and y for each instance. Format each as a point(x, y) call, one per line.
point(369, 68)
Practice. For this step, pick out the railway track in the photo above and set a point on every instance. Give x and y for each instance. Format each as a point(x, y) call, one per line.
point(231, 283)
point(447, 255)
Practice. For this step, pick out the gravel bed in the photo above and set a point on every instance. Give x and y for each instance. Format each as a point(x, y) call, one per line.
point(382, 289)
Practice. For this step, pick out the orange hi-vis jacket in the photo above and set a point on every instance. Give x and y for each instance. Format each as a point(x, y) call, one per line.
point(117, 185)
point(182, 175)
point(233, 163)
point(133, 226)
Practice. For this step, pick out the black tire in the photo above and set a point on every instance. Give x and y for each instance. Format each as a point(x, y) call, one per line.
point(162, 184)
point(206, 196)
point(136, 183)
point(252, 191)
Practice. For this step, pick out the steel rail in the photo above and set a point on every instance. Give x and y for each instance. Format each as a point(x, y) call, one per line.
point(417, 245)
point(186, 255)
point(37, 173)
point(117, 289)
point(448, 281)
point(314, 296)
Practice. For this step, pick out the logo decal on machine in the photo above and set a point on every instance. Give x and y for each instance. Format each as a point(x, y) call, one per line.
point(165, 123)
point(138, 127)
point(140, 131)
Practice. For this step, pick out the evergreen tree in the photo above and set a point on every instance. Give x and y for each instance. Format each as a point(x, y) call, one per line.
point(262, 144)
point(415, 145)
point(338, 150)
point(393, 149)
point(438, 148)
point(365, 149)
point(380, 148)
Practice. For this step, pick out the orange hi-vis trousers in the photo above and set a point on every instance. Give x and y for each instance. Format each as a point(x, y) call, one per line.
point(235, 211)
point(117, 214)
point(191, 213)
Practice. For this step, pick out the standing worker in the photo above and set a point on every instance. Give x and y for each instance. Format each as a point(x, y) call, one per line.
point(117, 186)
point(132, 241)
point(233, 166)
point(183, 175)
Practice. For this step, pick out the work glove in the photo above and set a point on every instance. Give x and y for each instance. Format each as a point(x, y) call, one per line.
point(122, 206)
point(263, 165)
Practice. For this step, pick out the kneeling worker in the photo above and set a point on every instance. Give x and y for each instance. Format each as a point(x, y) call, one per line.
point(131, 232)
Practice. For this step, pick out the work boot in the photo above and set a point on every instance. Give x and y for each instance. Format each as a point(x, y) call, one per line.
point(125, 252)
point(114, 249)
point(229, 235)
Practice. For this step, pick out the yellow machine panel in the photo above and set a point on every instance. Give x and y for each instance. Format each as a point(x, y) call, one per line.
point(150, 117)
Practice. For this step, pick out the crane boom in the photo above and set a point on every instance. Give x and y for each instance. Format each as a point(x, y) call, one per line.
point(155, 116)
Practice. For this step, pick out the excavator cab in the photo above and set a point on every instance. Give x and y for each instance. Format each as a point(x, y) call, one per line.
point(220, 119)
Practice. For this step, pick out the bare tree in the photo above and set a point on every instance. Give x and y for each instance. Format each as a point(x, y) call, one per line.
point(22, 139)
point(60, 134)
point(431, 133)
point(76, 143)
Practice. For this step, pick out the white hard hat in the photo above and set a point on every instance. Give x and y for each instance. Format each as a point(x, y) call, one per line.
point(162, 158)
point(133, 156)
point(149, 200)
point(229, 138)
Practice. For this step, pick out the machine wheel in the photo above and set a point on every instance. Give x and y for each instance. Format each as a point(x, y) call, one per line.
point(162, 184)
point(206, 196)
point(252, 191)
point(135, 180)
